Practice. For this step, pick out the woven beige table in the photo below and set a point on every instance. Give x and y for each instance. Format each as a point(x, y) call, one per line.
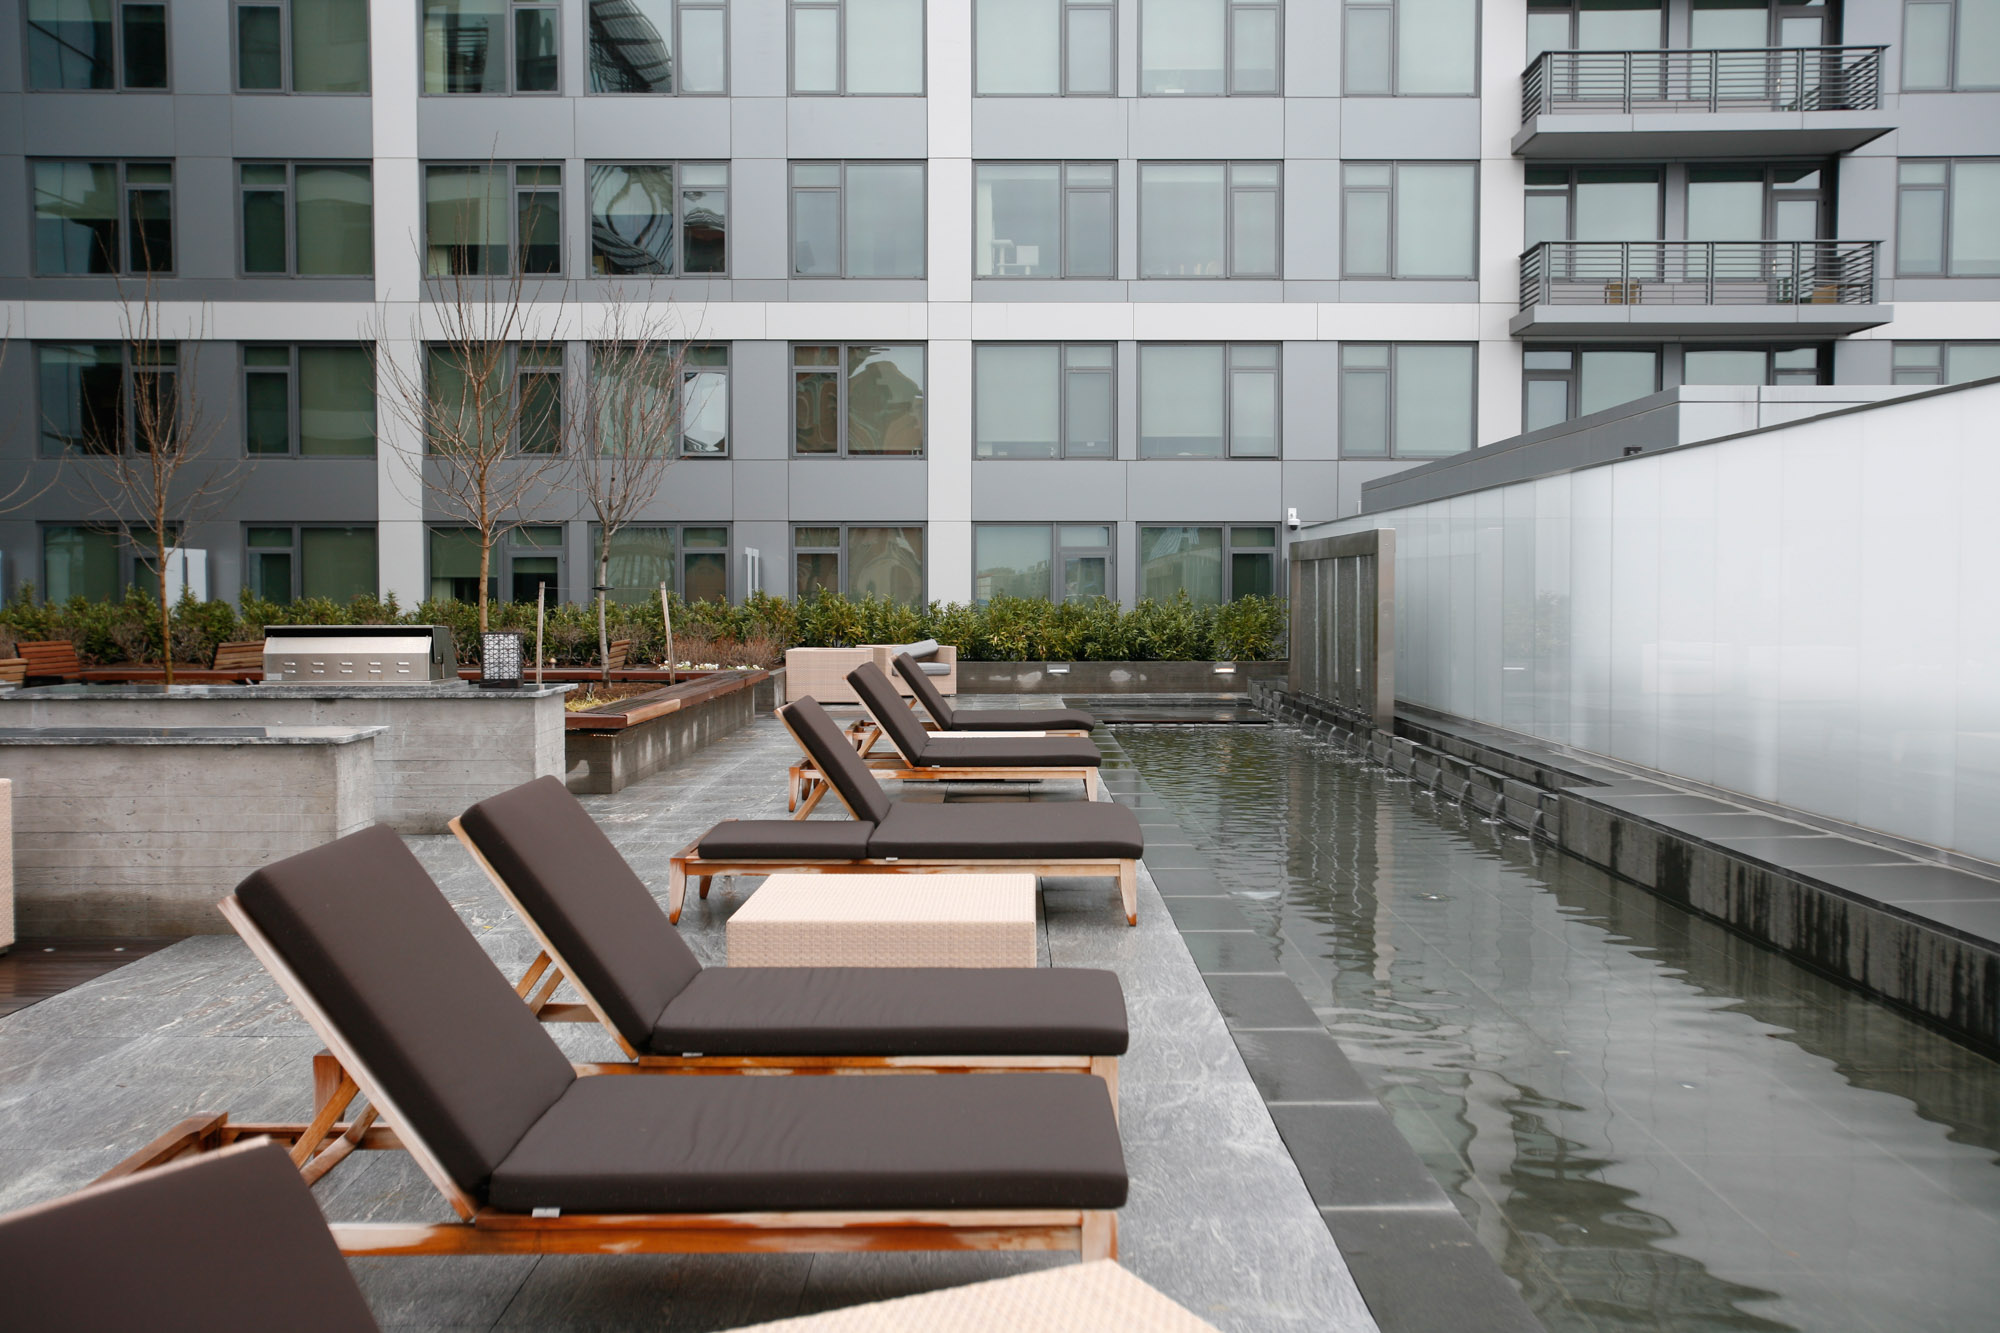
point(1077, 1298)
point(886, 921)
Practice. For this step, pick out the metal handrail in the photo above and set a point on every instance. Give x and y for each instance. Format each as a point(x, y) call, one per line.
point(1782, 78)
point(1766, 273)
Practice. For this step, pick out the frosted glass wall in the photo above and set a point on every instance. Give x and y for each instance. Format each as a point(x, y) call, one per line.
point(1810, 615)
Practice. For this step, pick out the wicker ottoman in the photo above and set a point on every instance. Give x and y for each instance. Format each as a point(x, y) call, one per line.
point(886, 921)
point(1077, 1298)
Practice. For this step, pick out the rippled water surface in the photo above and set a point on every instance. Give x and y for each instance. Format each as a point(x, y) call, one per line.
point(1651, 1123)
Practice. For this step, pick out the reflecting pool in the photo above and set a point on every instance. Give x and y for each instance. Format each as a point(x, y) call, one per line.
point(1651, 1123)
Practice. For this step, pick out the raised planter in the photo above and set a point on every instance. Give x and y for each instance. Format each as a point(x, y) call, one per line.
point(609, 748)
point(1114, 677)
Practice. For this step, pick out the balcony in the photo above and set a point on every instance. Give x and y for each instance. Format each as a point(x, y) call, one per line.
point(1816, 100)
point(1698, 288)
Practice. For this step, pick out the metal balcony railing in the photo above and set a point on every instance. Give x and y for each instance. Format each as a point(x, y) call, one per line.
point(1685, 273)
point(1792, 78)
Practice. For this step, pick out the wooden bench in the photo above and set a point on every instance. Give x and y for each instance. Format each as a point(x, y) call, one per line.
point(13, 670)
point(243, 659)
point(52, 660)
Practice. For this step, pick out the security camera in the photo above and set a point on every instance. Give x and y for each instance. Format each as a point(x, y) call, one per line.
point(1292, 519)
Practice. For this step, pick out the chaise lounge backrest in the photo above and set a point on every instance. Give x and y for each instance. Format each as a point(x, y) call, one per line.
point(905, 732)
point(424, 1009)
point(228, 1240)
point(834, 757)
point(933, 700)
point(585, 897)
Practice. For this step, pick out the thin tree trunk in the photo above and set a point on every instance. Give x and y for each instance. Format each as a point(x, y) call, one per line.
point(166, 611)
point(485, 564)
point(603, 631)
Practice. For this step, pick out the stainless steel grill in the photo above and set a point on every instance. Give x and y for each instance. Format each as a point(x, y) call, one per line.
point(358, 655)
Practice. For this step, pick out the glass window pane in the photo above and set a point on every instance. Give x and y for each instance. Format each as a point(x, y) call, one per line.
point(631, 219)
point(535, 575)
point(337, 563)
point(1975, 218)
point(259, 48)
point(816, 233)
point(80, 562)
point(1090, 55)
point(705, 413)
point(1972, 361)
point(330, 46)
point(337, 401)
point(704, 52)
point(1725, 205)
point(465, 46)
point(885, 400)
point(1926, 46)
point(1547, 32)
point(816, 50)
point(1547, 404)
point(268, 539)
point(1254, 59)
point(82, 397)
point(1364, 413)
point(145, 46)
point(816, 412)
point(535, 50)
point(1010, 561)
point(1084, 535)
point(642, 558)
point(1978, 44)
point(705, 576)
point(1436, 211)
point(1617, 206)
point(1175, 560)
point(76, 217)
point(267, 413)
point(263, 229)
point(1253, 414)
point(1722, 367)
point(1725, 24)
point(1016, 393)
point(1618, 25)
point(816, 573)
point(1365, 242)
point(886, 563)
point(1088, 413)
point(885, 220)
point(1018, 46)
point(816, 538)
point(540, 229)
point(631, 45)
point(704, 227)
point(1254, 233)
point(885, 47)
point(1181, 46)
point(1920, 173)
point(1436, 55)
point(1367, 51)
point(1611, 378)
point(465, 220)
point(336, 221)
point(1252, 574)
point(1920, 231)
point(70, 45)
point(1543, 359)
point(1091, 233)
point(1180, 401)
point(1547, 218)
point(151, 227)
point(1016, 229)
point(1180, 219)
point(1434, 400)
point(540, 426)
point(1917, 354)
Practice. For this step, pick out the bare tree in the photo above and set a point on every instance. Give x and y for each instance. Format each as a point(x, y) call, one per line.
point(633, 403)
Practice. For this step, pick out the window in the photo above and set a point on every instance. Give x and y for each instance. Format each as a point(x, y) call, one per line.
point(1562, 382)
point(91, 394)
point(1044, 400)
point(875, 408)
point(524, 560)
point(702, 414)
point(104, 217)
point(633, 46)
point(1412, 48)
point(1754, 365)
point(1045, 219)
point(302, 46)
point(1616, 25)
point(1208, 400)
point(860, 48)
point(1592, 204)
point(1069, 562)
point(533, 413)
point(1755, 203)
point(1948, 218)
point(640, 224)
point(1951, 44)
point(643, 556)
point(1045, 48)
point(96, 44)
point(1409, 219)
point(84, 561)
point(476, 225)
point(1406, 400)
point(309, 401)
point(883, 562)
point(490, 46)
point(1211, 565)
point(1945, 363)
point(1208, 47)
point(284, 562)
point(307, 219)
point(1208, 220)
point(857, 219)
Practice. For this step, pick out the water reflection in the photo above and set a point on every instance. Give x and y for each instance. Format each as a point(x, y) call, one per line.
point(1651, 1123)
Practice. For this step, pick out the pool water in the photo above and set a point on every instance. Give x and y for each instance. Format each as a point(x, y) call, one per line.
point(1649, 1122)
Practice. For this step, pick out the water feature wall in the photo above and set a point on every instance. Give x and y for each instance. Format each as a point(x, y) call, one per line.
point(1807, 614)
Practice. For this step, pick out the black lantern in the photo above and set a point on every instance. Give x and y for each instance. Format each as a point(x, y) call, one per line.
point(500, 661)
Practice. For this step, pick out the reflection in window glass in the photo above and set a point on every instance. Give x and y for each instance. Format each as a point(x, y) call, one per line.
point(885, 400)
point(465, 46)
point(632, 219)
point(1411, 48)
point(1182, 210)
point(1177, 560)
point(886, 563)
point(80, 562)
point(884, 219)
point(1017, 219)
point(1017, 393)
point(82, 397)
point(1181, 401)
point(1011, 560)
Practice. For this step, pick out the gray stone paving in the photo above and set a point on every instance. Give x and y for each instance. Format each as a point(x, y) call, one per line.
point(1218, 1218)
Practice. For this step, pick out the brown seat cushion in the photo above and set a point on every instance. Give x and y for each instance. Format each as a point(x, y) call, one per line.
point(425, 1009)
point(1012, 752)
point(1023, 830)
point(886, 706)
point(230, 1240)
point(1021, 719)
point(895, 1011)
point(831, 753)
point(783, 1144)
point(583, 895)
point(787, 839)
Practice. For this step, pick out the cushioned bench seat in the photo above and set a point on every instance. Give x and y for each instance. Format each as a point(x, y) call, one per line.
point(951, 718)
point(993, 831)
point(786, 839)
point(1010, 752)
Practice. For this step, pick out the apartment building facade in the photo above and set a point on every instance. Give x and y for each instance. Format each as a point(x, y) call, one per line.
point(1049, 297)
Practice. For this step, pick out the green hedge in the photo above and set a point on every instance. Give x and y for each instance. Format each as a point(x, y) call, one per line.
point(1008, 629)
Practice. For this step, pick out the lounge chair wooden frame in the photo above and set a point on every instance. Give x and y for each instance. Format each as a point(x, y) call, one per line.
point(548, 971)
point(1091, 1233)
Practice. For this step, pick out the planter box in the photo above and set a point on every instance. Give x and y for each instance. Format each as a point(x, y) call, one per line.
point(609, 749)
point(1113, 677)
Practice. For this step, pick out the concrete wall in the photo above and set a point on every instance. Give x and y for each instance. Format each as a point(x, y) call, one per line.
point(6, 864)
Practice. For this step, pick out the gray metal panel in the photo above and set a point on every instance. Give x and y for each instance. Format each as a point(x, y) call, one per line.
point(1947, 124)
point(757, 46)
point(1356, 474)
point(1311, 487)
point(759, 232)
point(756, 127)
point(1312, 205)
point(856, 127)
point(762, 490)
point(1191, 128)
point(772, 541)
point(859, 490)
point(323, 127)
point(1408, 292)
point(1393, 129)
point(1312, 48)
point(696, 490)
point(100, 125)
point(1312, 126)
point(203, 126)
point(1949, 289)
point(1695, 134)
point(1311, 374)
point(304, 490)
point(857, 289)
point(1076, 128)
point(1697, 321)
point(1226, 491)
point(204, 230)
point(1862, 361)
point(760, 420)
point(12, 107)
point(480, 129)
point(1230, 290)
point(1072, 490)
point(198, 48)
point(639, 129)
point(1065, 289)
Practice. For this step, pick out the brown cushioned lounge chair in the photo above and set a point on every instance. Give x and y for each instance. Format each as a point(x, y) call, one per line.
point(948, 717)
point(230, 1242)
point(932, 757)
point(885, 836)
point(599, 926)
point(535, 1158)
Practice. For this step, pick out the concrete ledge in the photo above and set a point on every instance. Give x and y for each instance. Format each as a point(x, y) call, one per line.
point(646, 739)
point(1113, 677)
